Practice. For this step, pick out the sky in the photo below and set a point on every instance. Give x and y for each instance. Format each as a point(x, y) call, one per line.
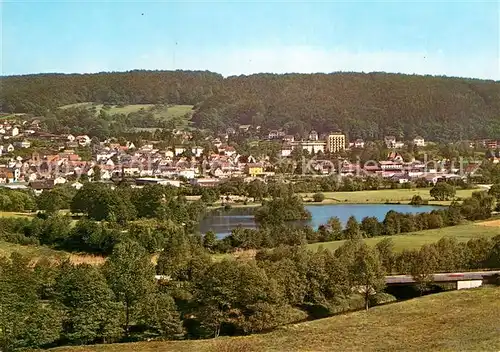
point(452, 38)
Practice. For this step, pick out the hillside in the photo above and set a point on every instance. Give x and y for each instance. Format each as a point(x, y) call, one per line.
point(37, 93)
point(457, 320)
point(362, 105)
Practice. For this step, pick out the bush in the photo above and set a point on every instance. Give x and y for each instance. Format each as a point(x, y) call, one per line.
point(381, 298)
point(417, 200)
point(318, 197)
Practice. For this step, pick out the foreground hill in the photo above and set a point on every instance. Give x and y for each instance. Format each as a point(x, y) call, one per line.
point(362, 105)
point(457, 320)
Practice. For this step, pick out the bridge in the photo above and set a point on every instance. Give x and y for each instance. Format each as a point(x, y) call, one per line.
point(463, 280)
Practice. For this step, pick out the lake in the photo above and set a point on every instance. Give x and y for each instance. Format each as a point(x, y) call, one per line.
point(222, 222)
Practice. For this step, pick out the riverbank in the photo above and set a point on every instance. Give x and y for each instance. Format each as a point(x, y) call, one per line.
point(382, 196)
point(458, 320)
point(385, 196)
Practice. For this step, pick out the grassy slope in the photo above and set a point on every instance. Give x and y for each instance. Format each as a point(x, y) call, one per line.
point(38, 252)
point(462, 233)
point(7, 248)
point(386, 195)
point(172, 112)
point(458, 320)
point(175, 112)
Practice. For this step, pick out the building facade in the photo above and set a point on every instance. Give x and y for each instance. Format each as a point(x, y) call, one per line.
point(335, 142)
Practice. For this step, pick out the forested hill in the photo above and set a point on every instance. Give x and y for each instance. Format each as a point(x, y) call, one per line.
point(362, 105)
point(37, 93)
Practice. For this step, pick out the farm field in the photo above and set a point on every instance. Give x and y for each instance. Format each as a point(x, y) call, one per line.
point(462, 233)
point(465, 320)
point(175, 113)
point(15, 214)
point(127, 109)
point(386, 195)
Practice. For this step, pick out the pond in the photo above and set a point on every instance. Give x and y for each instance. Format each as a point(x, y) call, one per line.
point(222, 222)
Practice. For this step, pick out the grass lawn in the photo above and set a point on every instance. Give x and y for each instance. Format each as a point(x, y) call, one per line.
point(385, 195)
point(15, 214)
point(38, 252)
point(467, 320)
point(462, 233)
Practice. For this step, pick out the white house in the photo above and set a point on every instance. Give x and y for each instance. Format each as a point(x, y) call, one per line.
point(70, 137)
point(105, 175)
point(59, 180)
point(24, 144)
point(313, 147)
point(217, 172)
point(273, 134)
point(419, 141)
point(131, 171)
point(10, 148)
point(77, 185)
point(286, 151)
point(390, 141)
point(14, 131)
point(359, 143)
point(83, 140)
point(187, 173)
point(229, 151)
point(313, 136)
point(179, 150)
point(197, 151)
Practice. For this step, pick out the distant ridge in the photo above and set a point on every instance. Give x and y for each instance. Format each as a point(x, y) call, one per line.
point(364, 105)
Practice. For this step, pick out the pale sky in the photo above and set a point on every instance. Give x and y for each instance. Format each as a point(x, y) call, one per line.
point(232, 38)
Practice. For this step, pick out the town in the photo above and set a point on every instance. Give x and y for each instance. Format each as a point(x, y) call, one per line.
point(34, 158)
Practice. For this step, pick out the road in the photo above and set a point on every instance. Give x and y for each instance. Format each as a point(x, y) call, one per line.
point(443, 277)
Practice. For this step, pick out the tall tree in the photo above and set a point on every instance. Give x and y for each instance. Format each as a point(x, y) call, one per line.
point(26, 322)
point(91, 312)
point(131, 276)
point(366, 272)
point(352, 230)
point(423, 266)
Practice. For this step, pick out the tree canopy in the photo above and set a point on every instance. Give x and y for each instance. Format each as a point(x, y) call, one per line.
point(362, 105)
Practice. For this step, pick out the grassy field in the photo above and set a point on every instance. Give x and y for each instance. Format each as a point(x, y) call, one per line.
point(38, 252)
point(127, 109)
point(6, 248)
point(171, 112)
point(15, 214)
point(385, 195)
point(414, 240)
point(174, 113)
point(466, 320)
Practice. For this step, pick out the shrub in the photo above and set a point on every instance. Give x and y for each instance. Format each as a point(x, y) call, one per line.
point(417, 200)
point(318, 197)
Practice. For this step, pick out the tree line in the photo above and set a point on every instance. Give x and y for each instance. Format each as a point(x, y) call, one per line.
point(41, 93)
point(153, 214)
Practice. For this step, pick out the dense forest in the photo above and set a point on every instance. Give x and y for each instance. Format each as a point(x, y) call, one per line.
point(39, 93)
point(362, 105)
